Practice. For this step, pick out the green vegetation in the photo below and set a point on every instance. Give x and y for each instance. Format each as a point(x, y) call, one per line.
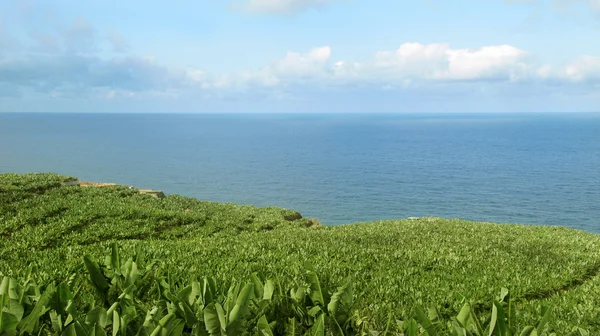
point(384, 271)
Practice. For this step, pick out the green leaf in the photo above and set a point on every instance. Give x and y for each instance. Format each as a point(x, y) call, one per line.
point(8, 323)
point(79, 328)
point(494, 319)
point(175, 328)
point(208, 291)
point(56, 320)
point(315, 311)
point(464, 315)
point(411, 328)
point(13, 289)
point(30, 322)
point(425, 322)
point(529, 331)
point(115, 258)
point(240, 310)
point(97, 316)
point(187, 294)
point(196, 292)
point(263, 326)
point(4, 285)
point(546, 315)
point(10, 288)
point(338, 327)
point(188, 314)
point(268, 290)
point(502, 328)
point(214, 319)
point(123, 324)
point(96, 330)
point(131, 272)
point(290, 328)
point(258, 286)
point(580, 332)
point(457, 329)
point(143, 331)
point(15, 308)
point(116, 323)
point(388, 326)
point(96, 275)
point(319, 327)
point(70, 331)
point(299, 294)
point(316, 293)
point(64, 298)
point(150, 314)
point(163, 325)
point(340, 305)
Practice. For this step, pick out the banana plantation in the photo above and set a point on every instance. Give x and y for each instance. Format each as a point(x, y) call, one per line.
point(113, 261)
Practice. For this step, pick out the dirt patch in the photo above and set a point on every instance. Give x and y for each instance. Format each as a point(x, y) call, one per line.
point(96, 184)
point(153, 193)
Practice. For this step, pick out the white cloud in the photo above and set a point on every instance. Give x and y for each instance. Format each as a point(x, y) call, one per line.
point(283, 6)
point(440, 62)
point(296, 65)
point(292, 68)
point(82, 75)
point(411, 66)
point(410, 62)
point(582, 69)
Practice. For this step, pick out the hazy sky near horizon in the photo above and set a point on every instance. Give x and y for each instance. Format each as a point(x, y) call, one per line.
point(299, 56)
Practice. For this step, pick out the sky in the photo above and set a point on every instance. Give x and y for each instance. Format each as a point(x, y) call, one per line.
point(299, 56)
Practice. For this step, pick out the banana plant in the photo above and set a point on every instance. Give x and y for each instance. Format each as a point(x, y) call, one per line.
point(229, 319)
point(501, 322)
point(115, 278)
point(22, 305)
point(315, 309)
point(12, 310)
point(259, 307)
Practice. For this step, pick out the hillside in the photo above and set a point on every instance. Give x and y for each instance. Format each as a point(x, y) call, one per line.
point(395, 266)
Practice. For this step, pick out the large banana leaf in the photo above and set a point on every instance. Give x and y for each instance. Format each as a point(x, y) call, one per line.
point(341, 303)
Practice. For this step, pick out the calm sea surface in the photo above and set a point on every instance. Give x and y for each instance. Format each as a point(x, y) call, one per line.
point(523, 168)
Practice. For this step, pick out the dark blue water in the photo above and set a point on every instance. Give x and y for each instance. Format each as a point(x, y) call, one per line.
point(537, 169)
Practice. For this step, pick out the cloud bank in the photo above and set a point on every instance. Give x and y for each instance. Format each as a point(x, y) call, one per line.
point(413, 64)
point(74, 71)
point(79, 61)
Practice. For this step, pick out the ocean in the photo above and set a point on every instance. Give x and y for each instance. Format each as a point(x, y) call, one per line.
point(339, 168)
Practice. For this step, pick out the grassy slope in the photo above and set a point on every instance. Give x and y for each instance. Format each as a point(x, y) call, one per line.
point(395, 264)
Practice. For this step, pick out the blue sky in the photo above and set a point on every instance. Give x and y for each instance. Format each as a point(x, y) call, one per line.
point(300, 56)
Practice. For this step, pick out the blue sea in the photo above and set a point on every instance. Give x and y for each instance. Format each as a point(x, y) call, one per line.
point(518, 168)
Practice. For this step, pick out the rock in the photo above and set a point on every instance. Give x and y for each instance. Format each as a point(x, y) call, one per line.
point(153, 193)
point(293, 217)
point(313, 223)
point(413, 218)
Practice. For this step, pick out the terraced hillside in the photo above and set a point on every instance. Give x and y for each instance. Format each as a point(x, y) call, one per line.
point(395, 266)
